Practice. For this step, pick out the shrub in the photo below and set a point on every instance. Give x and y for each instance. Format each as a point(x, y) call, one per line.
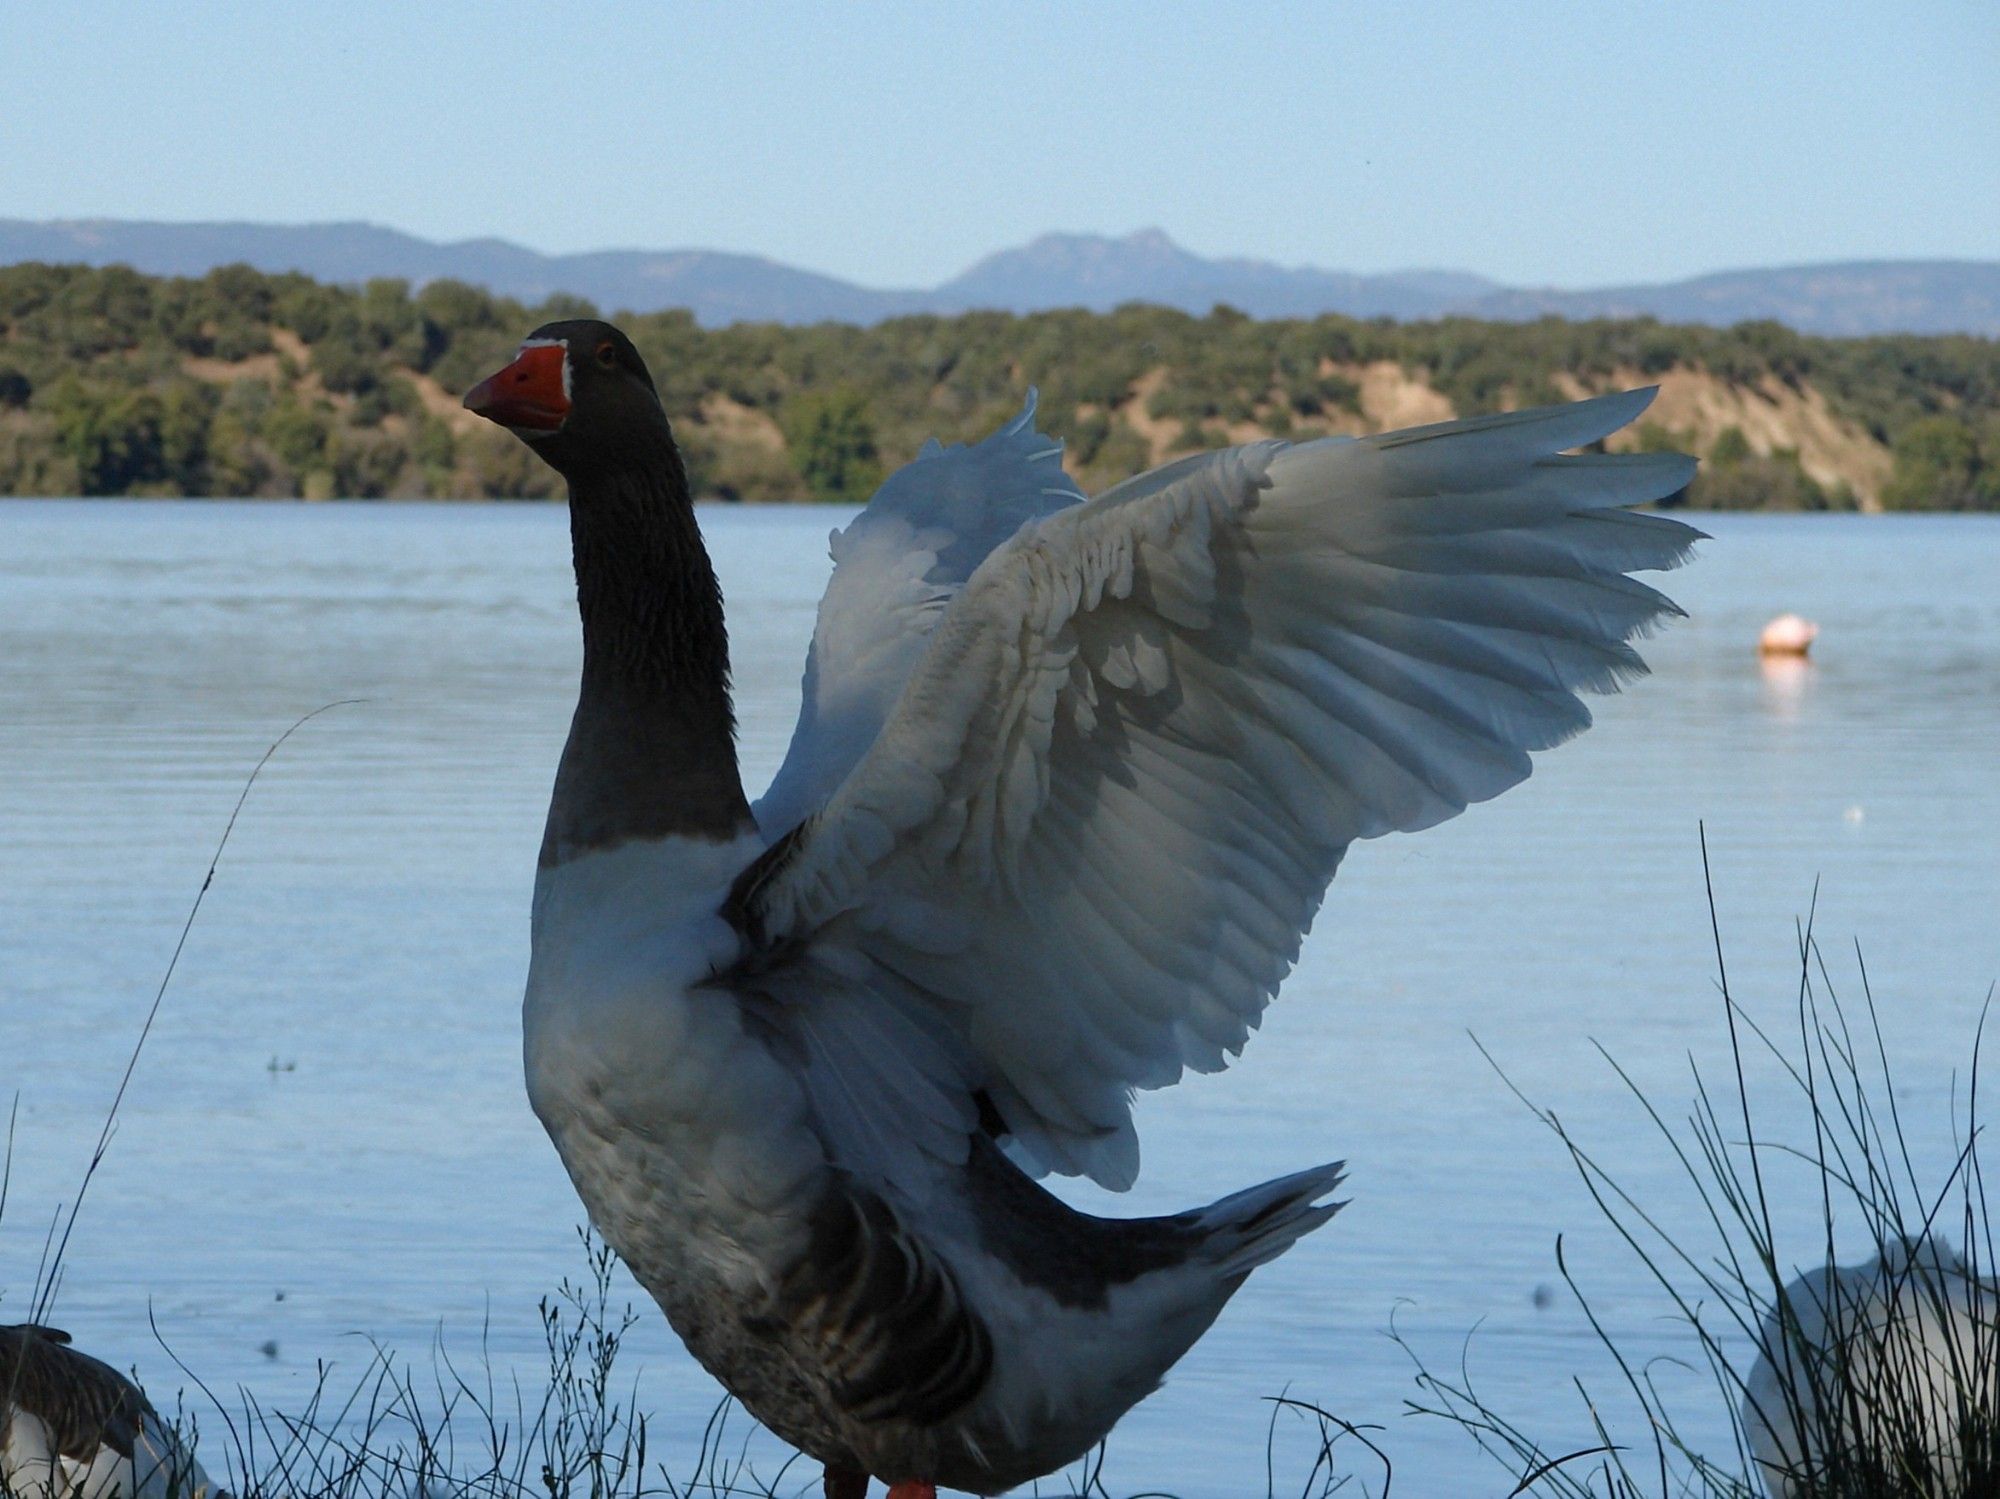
point(832, 443)
point(1939, 466)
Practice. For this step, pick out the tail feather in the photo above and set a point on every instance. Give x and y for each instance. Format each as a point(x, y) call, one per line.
point(1253, 1227)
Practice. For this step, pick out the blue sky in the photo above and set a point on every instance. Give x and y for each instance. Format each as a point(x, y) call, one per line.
point(893, 144)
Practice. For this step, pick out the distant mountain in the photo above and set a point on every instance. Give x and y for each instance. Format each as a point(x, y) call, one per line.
point(1056, 270)
point(1852, 299)
point(1097, 272)
point(719, 288)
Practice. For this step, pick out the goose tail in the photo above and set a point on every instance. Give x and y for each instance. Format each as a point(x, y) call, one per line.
point(1253, 1227)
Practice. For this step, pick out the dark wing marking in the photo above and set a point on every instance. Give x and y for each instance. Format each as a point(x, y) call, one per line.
point(742, 908)
point(85, 1403)
point(992, 1123)
point(883, 1317)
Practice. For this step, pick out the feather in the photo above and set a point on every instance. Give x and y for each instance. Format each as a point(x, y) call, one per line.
point(1121, 765)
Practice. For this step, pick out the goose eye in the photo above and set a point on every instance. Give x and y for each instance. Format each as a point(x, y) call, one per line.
point(607, 353)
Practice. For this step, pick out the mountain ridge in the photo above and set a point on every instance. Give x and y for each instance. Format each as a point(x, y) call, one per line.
point(1094, 271)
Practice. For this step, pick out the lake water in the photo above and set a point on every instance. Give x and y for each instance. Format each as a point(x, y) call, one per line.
point(327, 1140)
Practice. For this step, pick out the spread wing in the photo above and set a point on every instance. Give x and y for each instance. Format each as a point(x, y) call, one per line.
point(1081, 850)
point(897, 566)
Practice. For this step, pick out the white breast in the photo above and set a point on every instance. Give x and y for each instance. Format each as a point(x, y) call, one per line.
point(686, 1138)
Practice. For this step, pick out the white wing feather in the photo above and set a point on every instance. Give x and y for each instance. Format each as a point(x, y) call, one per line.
point(897, 566)
point(1126, 759)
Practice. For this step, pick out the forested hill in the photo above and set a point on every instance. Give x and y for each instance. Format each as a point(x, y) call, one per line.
point(243, 383)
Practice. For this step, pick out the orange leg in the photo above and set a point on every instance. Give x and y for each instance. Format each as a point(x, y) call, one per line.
point(911, 1488)
point(846, 1483)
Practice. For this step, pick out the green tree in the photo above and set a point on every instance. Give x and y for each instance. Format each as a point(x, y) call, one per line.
point(30, 460)
point(112, 436)
point(347, 356)
point(833, 444)
point(1939, 466)
point(296, 434)
point(366, 464)
point(239, 462)
point(186, 411)
point(1774, 481)
point(1730, 447)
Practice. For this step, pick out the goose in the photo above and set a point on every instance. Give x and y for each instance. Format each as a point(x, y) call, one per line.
point(1069, 780)
point(73, 1427)
point(1889, 1368)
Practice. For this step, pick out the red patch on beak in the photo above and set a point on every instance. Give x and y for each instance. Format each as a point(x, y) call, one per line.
point(528, 394)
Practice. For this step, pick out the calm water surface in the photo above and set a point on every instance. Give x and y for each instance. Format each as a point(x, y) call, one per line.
point(327, 1140)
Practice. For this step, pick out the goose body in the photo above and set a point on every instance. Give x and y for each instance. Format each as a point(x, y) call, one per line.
point(1069, 781)
point(73, 1427)
point(1889, 1369)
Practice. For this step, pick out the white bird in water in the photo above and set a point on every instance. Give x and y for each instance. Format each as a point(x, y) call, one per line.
point(1887, 1373)
point(1070, 778)
point(73, 1427)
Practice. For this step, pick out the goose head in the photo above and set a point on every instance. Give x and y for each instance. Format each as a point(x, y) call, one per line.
point(580, 396)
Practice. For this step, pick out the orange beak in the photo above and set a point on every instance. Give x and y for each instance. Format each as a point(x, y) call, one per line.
point(528, 394)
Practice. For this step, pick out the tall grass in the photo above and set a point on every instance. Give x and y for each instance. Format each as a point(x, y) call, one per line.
point(454, 1430)
point(1882, 1382)
point(398, 1433)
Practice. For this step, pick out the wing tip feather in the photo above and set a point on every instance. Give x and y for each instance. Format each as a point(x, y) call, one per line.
point(1572, 424)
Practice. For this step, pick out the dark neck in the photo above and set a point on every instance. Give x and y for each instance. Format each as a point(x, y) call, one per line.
point(652, 748)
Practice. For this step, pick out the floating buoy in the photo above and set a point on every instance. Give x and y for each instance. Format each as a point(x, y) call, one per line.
point(1787, 635)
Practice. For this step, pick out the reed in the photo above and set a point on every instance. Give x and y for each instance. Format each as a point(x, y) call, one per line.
point(1879, 1382)
point(457, 1429)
